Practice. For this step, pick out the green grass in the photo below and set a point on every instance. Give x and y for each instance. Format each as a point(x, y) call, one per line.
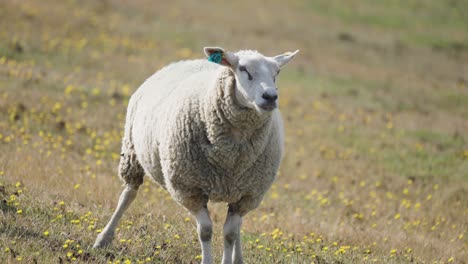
point(410, 19)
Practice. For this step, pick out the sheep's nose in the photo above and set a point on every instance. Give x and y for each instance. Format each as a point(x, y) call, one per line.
point(270, 97)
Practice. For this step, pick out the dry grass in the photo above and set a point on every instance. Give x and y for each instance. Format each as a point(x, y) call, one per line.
point(375, 110)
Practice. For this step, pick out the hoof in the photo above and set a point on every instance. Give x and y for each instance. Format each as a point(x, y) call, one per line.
point(103, 241)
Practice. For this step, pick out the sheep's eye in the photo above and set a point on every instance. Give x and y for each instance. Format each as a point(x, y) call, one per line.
point(274, 78)
point(242, 68)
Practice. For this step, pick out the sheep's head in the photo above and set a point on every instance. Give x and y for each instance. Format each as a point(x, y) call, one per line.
point(255, 76)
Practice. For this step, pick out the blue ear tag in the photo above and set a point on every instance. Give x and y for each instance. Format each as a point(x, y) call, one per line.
point(216, 57)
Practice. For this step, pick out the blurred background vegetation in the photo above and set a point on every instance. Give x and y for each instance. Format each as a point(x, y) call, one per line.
point(375, 108)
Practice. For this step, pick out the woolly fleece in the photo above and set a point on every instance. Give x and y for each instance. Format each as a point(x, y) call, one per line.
point(186, 130)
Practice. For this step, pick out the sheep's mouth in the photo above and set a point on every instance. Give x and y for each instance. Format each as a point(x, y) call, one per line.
point(268, 106)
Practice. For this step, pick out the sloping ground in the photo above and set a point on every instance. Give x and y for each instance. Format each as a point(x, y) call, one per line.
point(375, 108)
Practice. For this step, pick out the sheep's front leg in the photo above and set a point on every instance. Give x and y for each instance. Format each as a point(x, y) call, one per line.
point(205, 231)
point(107, 234)
point(232, 242)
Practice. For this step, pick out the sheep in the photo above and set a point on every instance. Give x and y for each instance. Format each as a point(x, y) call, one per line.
point(205, 130)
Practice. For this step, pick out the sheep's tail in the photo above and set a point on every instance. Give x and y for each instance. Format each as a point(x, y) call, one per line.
point(130, 170)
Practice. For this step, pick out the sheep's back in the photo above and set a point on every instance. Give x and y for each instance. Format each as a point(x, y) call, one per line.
point(164, 87)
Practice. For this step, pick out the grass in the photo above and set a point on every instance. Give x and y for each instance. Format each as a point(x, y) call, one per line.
point(409, 20)
point(376, 168)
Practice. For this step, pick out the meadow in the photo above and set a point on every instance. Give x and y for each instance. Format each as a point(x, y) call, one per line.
point(375, 108)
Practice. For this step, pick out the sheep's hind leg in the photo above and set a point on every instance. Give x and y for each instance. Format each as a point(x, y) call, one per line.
point(107, 234)
point(132, 173)
point(232, 243)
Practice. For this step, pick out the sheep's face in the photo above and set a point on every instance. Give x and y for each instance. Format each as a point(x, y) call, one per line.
point(255, 77)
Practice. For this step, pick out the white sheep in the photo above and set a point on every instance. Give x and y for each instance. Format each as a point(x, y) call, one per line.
point(205, 131)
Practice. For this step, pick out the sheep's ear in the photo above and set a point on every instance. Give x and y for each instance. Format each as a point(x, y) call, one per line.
point(285, 58)
point(226, 58)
